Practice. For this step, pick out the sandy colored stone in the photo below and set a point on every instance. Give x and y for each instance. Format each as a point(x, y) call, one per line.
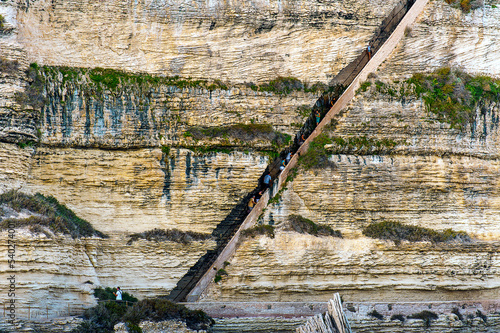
point(54, 273)
point(243, 41)
point(294, 266)
point(136, 190)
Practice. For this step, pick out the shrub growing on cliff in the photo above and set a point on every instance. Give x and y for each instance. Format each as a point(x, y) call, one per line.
point(34, 93)
point(317, 155)
point(161, 309)
point(397, 232)
point(173, 235)
point(107, 294)
point(454, 96)
point(263, 229)
point(48, 213)
point(219, 274)
point(302, 225)
point(2, 23)
point(102, 318)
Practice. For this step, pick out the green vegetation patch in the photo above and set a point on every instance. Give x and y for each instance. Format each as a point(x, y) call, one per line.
point(363, 87)
point(286, 85)
point(317, 156)
point(2, 23)
point(161, 309)
point(453, 96)
point(104, 294)
point(47, 213)
point(263, 229)
point(93, 81)
point(242, 132)
point(112, 78)
point(103, 317)
point(219, 274)
point(173, 235)
point(277, 197)
point(363, 145)
point(397, 232)
point(34, 93)
point(465, 5)
point(305, 226)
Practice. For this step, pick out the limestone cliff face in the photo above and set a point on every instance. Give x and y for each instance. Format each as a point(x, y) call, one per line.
point(60, 271)
point(438, 178)
point(434, 176)
point(139, 186)
point(136, 190)
point(80, 112)
point(120, 193)
point(236, 41)
point(293, 266)
point(446, 36)
point(429, 191)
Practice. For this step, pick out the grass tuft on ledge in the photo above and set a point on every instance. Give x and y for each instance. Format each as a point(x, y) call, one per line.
point(305, 226)
point(426, 316)
point(46, 213)
point(398, 232)
point(172, 235)
point(317, 156)
point(453, 96)
point(242, 132)
point(263, 229)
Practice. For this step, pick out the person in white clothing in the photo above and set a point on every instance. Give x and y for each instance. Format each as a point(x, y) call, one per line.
point(118, 294)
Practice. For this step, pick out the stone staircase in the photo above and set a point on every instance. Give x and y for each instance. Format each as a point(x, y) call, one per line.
point(227, 233)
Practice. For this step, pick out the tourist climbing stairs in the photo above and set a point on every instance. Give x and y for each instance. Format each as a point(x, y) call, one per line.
point(227, 233)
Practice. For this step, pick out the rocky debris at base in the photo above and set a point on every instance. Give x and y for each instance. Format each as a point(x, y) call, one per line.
point(159, 327)
point(54, 325)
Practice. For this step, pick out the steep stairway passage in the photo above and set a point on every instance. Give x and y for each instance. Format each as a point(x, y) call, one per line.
point(227, 233)
point(223, 234)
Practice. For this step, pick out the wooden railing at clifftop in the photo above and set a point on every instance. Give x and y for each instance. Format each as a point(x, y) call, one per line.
point(360, 68)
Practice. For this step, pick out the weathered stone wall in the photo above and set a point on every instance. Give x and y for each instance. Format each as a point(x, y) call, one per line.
point(80, 113)
point(445, 323)
point(293, 265)
point(436, 176)
point(136, 190)
point(235, 41)
point(56, 272)
point(446, 36)
point(439, 179)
